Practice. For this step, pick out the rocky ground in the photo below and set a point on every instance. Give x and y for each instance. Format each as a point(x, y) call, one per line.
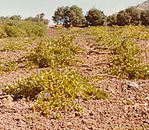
point(127, 107)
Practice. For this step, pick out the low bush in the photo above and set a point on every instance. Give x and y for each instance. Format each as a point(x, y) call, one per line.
point(56, 52)
point(20, 28)
point(120, 41)
point(12, 31)
point(55, 90)
point(15, 44)
point(3, 34)
point(7, 67)
point(127, 61)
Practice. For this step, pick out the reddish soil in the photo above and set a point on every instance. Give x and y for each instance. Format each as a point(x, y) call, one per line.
point(126, 108)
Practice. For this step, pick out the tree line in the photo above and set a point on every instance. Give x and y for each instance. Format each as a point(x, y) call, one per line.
point(15, 26)
point(73, 16)
point(38, 18)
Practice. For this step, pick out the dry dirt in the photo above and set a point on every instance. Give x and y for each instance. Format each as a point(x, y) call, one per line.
point(127, 107)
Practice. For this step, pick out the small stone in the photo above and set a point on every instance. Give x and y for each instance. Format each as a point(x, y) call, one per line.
point(146, 121)
point(69, 124)
point(7, 101)
point(91, 114)
point(133, 85)
point(147, 98)
point(77, 114)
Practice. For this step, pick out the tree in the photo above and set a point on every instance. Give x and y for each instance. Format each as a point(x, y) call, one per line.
point(130, 16)
point(123, 18)
point(76, 16)
point(30, 19)
point(95, 17)
point(145, 17)
point(112, 20)
point(68, 16)
point(134, 14)
point(38, 18)
point(58, 17)
point(15, 17)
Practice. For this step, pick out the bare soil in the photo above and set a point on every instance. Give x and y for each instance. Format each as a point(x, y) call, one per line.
point(126, 108)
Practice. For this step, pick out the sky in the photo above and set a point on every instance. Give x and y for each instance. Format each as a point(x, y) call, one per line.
point(27, 8)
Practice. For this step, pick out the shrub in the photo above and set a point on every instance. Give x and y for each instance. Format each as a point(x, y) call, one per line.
point(54, 90)
point(121, 42)
point(20, 28)
point(14, 44)
point(12, 31)
point(34, 29)
point(3, 34)
point(127, 61)
point(7, 67)
point(56, 52)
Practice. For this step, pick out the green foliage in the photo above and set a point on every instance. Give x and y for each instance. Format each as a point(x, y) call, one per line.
point(112, 20)
point(135, 15)
point(58, 15)
point(20, 28)
point(3, 33)
point(69, 16)
point(73, 16)
point(38, 18)
point(120, 41)
point(7, 67)
point(129, 16)
point(56, 52)
point(127, 61)
point(95, 17)
point(145, 17)
point(14, 44)
point(15, 17)
point(12, 31)
point(123, 18)
point(34, 29)
point(76, 15)
point(55, 90)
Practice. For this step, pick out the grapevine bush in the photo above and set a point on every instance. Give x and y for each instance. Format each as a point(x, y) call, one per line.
point(121, 41)
point(54, 90)
point(55, 52)
point(20, 28)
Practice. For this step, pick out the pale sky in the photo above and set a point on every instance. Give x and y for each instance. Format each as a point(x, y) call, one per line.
point(27, 8)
